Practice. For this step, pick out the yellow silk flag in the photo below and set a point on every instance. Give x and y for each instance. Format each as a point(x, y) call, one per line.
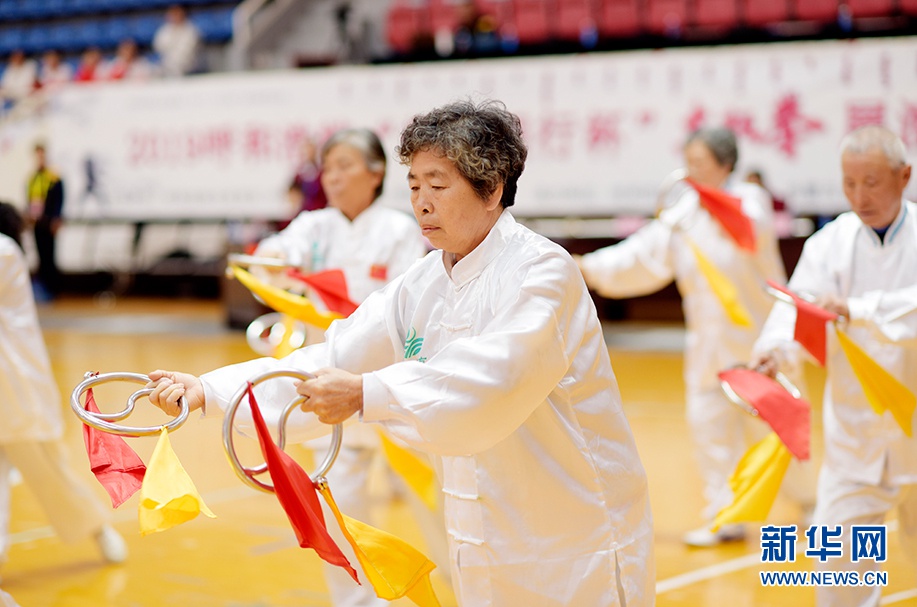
point(416, 472)
point(393, 567)
point(724, 290)
point(167, 496)
point(755, 482)
point(882, 389)
point(297, 306)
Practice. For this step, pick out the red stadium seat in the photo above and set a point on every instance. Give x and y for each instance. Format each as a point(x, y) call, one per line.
point(501, 10)
point(574, 17)
point(871, 8)
point(443, 15)
point(717, 14)
point(666, 16)
point(405, 22)
point(908, 7)
point(761, 13)
point(824, 11)
point(533, 21)
point(620, 18)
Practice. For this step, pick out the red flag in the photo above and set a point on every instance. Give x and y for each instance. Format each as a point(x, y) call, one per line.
point(727, 210)
point(789, 417)
point(297, 495)
point(810, 324)
point(331, 287)
point(118, 468)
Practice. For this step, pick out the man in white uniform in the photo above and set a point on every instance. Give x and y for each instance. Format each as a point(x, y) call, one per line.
point(863, 266)
point(661, 251)
point(489, 355)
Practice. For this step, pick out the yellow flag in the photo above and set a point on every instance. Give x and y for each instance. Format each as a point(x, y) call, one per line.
point(724, 290)
point(285, 346)
point(297, 306)
point(393, 568)
point(755, 482)
point(416, 472)
point(167, 496)
point(882, 389)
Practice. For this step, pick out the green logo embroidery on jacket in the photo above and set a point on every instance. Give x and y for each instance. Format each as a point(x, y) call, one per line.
point(412, 344)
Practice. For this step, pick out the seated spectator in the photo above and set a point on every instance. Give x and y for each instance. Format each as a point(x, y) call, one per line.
point(178, 43)
point(53, 72)
point(127, 64)
point(18, 80)
point(89, 68)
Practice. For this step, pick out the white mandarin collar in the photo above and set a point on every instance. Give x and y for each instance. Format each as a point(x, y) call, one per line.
point(471, 265)
point(893, 228)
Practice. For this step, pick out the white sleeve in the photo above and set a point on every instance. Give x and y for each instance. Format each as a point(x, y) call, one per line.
point(477, 390)
point(357, 344)
point(639, 265)
point(892, 314)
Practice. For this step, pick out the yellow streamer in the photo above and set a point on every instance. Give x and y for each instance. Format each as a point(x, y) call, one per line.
point(393, 567)
point(415, 471)
point(755, 482)
point(297, 306)
point(882, 389)
point(724, 290)
point(168, 497)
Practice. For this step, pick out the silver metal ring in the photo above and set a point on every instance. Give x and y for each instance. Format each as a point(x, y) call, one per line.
point(248, 474)
point(734, 397)
point(103, 421)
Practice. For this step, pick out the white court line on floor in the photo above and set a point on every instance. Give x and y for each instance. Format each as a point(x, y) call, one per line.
point(899, 596)
point(719, 569)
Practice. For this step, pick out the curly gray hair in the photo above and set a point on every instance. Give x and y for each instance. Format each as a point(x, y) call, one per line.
point(483, 141)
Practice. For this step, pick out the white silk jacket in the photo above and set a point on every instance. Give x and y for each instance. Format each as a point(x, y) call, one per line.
point(652, 257)
point(30, 404)
point(879, 281)
point(380, 244)
point(501, 371)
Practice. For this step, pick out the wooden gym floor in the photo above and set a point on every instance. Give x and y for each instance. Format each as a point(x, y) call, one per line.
point(248, 557)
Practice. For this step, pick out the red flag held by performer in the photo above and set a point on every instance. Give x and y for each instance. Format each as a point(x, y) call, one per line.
point(789, 417)
point(810, 324)
point(331, 287)
point(297, 495)
point(117, 467)
point(727, 210)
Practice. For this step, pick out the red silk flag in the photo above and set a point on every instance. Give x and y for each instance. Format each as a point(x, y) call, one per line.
point(810, 324)
point(116, 466)
point(331, 287)
point(297, 496)
point(788, 417)
point(727, 210)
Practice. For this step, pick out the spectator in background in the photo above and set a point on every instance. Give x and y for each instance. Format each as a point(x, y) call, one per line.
point(783, 217)
point(18, 80)
point(89, 68)
point(46, 202)
point(53, 72)
point(127, 64)
point(307, 180)
point(178, 43)
point(30, 407)
point(475, 34)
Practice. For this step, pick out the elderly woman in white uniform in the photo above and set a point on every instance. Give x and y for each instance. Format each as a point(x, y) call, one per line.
point(32, 428)
point(658, 253)
point(489, 355)
point(371, 244)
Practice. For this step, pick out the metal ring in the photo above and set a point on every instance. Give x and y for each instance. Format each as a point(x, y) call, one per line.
point(248, 474)
point(734, 397)
point(265, 334)
point(103, 421)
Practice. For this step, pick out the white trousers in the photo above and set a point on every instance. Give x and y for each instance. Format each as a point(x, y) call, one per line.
point(73, 509)
point(844, 502)
point(722, 432)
